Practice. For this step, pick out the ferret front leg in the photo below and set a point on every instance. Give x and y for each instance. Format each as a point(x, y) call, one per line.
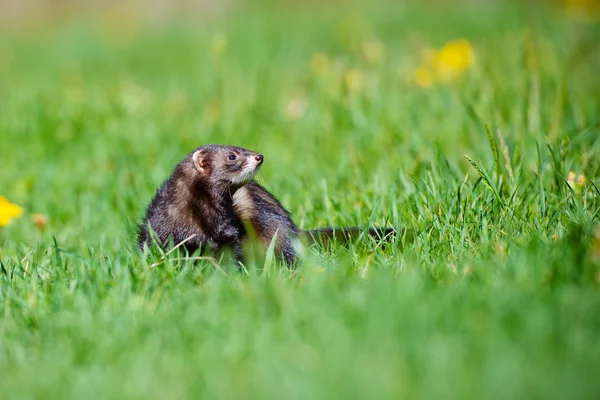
point(239, 253)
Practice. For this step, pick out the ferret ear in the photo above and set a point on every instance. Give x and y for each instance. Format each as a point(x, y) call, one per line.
point(200, 161)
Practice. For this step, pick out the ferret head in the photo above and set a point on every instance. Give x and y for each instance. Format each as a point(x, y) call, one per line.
point(226, 166)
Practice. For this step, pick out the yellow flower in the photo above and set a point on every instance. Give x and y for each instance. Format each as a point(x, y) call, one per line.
point(424, 77)
point(354, 80)
point(373, 52)
point(320, 64)
point(583, 10)
point(456, 55)
point(8, 211)
point(444, 65)
point(453, 59)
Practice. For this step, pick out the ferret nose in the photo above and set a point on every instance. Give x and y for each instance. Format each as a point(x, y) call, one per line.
point(259, 158)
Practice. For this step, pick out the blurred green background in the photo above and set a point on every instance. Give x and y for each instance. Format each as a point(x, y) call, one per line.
point(364, 112)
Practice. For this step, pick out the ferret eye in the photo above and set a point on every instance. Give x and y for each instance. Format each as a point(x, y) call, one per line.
point(232, 157)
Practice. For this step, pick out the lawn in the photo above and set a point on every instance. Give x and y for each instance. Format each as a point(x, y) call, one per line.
point(475, 127)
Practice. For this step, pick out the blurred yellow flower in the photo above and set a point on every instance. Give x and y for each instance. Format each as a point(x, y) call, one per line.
point(320, 64)
point(295, 108)
point(424, 77)
point(373, 52)
point(453, 59)
point(8, 211)
point(457, 54)
point(583, 10)
point(212, 111)
point(444, 65)
point(218, 44)
point(354, 80)
point(576, 182)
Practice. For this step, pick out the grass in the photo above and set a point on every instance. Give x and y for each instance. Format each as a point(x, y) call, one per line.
point(496, 296)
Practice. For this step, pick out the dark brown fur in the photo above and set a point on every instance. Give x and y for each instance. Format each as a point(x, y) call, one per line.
point(204, 206)
point(195, 205)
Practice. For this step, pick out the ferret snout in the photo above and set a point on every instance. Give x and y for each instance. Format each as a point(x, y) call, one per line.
point(259, 158)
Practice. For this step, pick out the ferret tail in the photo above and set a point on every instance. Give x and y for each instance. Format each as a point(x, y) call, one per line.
point(344, 235)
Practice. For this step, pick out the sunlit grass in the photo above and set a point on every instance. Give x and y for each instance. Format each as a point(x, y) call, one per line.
point(494, 171)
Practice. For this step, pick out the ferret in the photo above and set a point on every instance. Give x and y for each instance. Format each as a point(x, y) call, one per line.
point(211, 199)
